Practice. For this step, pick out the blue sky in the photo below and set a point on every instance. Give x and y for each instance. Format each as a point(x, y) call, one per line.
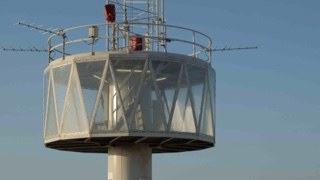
point(268, 102)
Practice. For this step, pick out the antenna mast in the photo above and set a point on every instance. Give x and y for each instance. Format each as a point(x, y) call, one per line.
point(140, 26)
point(234, 49)
point(39, 28)
point(34, 49)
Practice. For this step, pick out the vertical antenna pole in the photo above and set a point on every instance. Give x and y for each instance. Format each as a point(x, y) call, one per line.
point(157, 25)
point(163, 20)
point(113, 36)
point(126, 28)
point(107, 32)
point(125, 11)
point(153, 25)
point(164, 28)
point(162, 9)
point(148, 27)
point(118, 37)
point(108, 35)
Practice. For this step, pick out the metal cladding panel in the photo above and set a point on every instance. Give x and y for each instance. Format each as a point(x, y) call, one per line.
point(156, 95)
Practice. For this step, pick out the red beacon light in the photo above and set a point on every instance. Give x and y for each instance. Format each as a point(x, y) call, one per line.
point(135, 43)
point(110, 13)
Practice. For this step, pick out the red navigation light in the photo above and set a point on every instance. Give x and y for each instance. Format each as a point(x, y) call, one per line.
point(135, 43)
point(110, 13)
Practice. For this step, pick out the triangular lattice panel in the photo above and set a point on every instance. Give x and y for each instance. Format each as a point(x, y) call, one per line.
point(74, 120)
point(51, 119)
point(90, 74)
point(61, 77)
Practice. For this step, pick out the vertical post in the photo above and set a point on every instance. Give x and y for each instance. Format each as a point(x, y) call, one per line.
point(164, 28)
point(49, 50)
point(64, 46)
point(162, 9)
point(113, 36)
point(157, 25)
point(147, 41)
point(210, 50)
point(118, 37)
point(193, 44)
point(108, 36)
point(107, 32)
point(126, 26)
point(91, 46)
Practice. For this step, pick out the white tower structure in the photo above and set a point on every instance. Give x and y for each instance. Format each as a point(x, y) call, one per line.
point(129, 87)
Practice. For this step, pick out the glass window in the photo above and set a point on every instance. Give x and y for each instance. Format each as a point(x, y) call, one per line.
point(61, 80)
point(197, 78)
point(212, 81)
point(51, 120)
point(183, 119)
point(166, 75)
point(90, 74)
point(74, 120)
point(206, 126)
point(45, 91)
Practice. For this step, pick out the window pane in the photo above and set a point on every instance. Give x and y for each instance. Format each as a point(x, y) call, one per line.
point(45, 91)
point(61, 80)
point(90, 74)
point(197, 77)
point(74, 120)
point(207, 120)
point(183, 119)
point(166, 74)
point(51, 120)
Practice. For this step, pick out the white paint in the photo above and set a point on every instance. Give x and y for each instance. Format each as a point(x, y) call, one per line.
point(130, 162)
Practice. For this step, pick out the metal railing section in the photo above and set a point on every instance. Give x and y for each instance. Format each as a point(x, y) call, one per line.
point(125, 37)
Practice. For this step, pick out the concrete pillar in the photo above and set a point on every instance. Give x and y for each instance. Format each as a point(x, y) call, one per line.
point(130, 163)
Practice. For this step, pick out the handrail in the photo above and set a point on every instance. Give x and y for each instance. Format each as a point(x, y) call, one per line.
point(121, 41)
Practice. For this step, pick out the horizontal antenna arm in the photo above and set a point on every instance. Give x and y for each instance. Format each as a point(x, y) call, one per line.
point(25, 50)
point(31, 26)
point(233, 49)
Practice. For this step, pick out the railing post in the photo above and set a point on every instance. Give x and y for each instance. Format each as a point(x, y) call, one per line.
point(64, 46)
point(193, 44)
point(107, 37)
point(210, 50)
point(118, 38)
point(49, 50)
point(113, 36)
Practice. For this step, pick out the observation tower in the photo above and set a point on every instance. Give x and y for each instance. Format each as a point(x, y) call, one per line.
point(129, 87)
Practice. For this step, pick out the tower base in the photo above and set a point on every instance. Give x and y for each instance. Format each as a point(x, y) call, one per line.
point(130, 163)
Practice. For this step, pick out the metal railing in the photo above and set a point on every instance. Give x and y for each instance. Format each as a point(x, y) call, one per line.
point(118, 37)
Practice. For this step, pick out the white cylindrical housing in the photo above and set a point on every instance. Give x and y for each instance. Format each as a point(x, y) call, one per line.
point(93, 32)
point(132, 162)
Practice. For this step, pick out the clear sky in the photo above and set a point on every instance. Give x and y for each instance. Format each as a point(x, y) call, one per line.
point(268, 100)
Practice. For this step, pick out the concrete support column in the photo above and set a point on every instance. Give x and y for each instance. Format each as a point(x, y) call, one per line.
point(130, 163)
